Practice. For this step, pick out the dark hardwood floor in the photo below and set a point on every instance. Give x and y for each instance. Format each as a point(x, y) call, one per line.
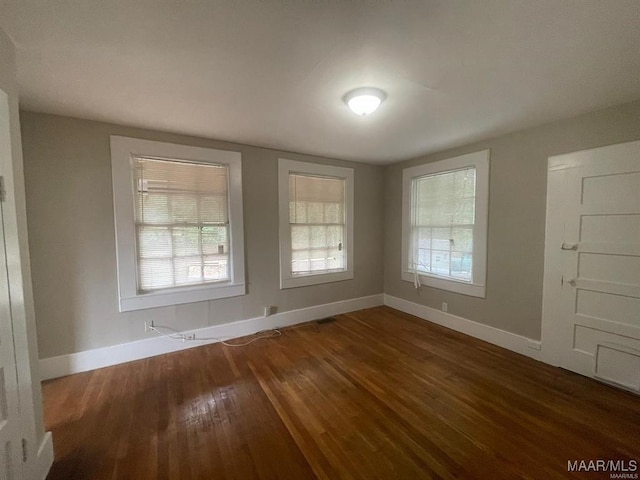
point(378, 394)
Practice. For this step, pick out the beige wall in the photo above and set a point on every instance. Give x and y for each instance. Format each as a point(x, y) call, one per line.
point(70, 213)
point(517, 201)
point(19, 272)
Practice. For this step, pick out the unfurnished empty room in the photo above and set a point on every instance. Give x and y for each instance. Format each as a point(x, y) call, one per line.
point(245, 239)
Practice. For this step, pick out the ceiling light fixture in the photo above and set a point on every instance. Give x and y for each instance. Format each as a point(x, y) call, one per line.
point(363, 101)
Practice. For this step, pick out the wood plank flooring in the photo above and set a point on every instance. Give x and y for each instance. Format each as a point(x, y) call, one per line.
point(378, 394)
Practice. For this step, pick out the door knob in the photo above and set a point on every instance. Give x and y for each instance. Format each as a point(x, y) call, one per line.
point(572, 282)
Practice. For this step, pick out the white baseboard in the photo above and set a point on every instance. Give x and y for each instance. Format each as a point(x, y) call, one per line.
point(44, 459)
point(103, 357)
point(502, 338)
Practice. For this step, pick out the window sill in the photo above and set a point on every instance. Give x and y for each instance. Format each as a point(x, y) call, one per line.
point(180, 296)
point(470, 289)
point(306, 280)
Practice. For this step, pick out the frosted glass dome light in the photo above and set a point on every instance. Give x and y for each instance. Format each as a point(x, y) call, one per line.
point(363, 101)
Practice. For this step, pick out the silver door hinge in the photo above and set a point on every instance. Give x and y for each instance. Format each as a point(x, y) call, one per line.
point(24, 450)
point(2, 192)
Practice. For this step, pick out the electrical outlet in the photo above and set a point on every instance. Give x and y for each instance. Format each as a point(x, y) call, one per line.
point(445, 307)
point(148, 326)
point(269, 310)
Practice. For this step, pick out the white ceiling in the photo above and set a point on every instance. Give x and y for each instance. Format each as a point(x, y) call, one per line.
point(273, 73)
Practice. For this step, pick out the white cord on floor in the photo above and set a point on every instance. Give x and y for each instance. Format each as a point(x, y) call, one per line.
point(192, 338)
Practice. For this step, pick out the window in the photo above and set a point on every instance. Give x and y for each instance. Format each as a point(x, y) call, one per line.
point(178, 215)
point(444, 235)
point(316, 223)
point(182, 223)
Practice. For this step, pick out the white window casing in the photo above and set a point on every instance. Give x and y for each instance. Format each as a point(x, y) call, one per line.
point(179, 223)
point(316, 223)
point(445, 206)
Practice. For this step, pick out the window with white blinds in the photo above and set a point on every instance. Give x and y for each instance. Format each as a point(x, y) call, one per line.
point(182, 223)
point(443, 212)
point(317, 222)
point(445, 223)
point(316, 229)
point(179, 224)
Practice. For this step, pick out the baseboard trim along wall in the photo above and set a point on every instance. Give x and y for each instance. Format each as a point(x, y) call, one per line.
point(502, 338)
point(103, 357)
point(62, 365)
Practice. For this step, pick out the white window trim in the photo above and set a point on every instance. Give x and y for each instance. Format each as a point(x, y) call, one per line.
point(479, 160)
point(122, 151)
point(287, 279)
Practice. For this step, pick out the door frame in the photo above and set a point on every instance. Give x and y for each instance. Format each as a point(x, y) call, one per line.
point(37, 444)
point(14, 424)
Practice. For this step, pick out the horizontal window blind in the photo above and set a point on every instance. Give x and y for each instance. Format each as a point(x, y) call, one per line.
point(182, 223)
point(317, 222)
point(443, 218)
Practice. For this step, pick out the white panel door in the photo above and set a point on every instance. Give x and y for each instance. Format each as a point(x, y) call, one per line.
point(10, 437)
point(592, 269)
point(10, 442)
